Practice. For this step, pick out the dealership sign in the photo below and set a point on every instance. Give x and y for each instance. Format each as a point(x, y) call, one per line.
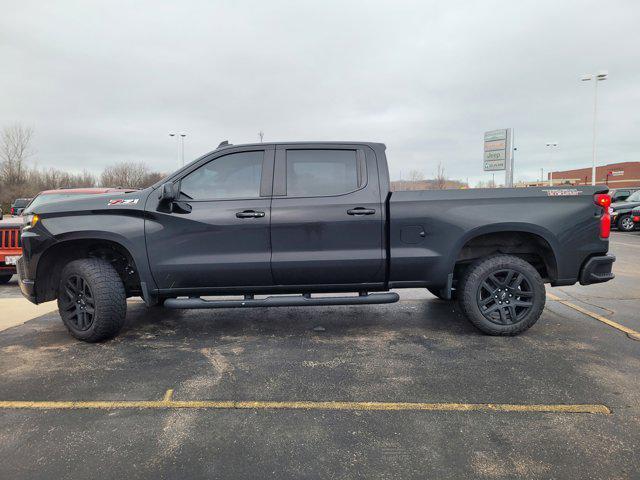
point(496, 150)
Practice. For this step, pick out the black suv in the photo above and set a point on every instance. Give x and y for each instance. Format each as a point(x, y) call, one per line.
point(18, 205)
point(621, 194)
point(621, 214)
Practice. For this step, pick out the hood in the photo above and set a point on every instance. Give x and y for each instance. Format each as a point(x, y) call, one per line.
point(112, 201)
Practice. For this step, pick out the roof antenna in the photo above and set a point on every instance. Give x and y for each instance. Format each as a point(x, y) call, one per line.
point(224, 143)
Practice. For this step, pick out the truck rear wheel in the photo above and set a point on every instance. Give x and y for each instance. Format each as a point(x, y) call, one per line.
point(91, 300)
point(5, 278)
point(502, 295)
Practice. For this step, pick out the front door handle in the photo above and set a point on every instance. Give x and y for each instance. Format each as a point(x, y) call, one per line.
point(250, 214)
point(361, 211)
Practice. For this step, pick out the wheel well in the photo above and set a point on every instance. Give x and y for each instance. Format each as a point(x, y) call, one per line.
point(530, 247)
point(54, 259)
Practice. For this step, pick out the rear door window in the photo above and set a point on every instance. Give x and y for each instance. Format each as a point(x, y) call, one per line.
point(313, 173)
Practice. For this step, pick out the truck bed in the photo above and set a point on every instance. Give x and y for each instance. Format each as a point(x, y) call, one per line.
point(429, 228)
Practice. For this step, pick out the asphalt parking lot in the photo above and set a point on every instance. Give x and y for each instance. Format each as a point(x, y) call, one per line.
point(408, 390)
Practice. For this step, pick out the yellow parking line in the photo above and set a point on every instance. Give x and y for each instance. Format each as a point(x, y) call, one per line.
point(629, 331)
point(168, 395)
point(349, 406)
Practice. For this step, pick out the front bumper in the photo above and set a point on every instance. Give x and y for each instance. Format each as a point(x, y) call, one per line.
point(597, 270)
point(27, 286)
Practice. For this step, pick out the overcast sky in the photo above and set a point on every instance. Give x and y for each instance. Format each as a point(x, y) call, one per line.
point(102, 82)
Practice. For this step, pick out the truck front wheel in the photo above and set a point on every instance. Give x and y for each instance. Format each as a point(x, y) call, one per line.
point(502, 295)
point(91, 300)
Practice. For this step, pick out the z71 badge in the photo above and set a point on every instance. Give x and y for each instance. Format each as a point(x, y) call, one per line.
point(123, 201)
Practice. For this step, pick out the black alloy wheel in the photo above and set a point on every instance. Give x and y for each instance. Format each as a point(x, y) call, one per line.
point(501, 294)
point(78, 303)
point(505, 297)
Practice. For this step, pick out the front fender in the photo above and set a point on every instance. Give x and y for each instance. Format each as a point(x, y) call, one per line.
point(125, 230)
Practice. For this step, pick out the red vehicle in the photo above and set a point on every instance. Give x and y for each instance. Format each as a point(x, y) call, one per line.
point(10, 247)
point(10, 242)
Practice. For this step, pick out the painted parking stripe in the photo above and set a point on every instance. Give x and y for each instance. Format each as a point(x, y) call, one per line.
point(629, 331)
point(345, 406)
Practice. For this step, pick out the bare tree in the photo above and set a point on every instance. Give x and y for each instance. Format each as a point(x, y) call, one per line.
point(416, 175)
point(38, 180)
point(130, 175)
point(15, 148)
point(85, 179)
point(124, 174)
point(440, 181)
point(153, 177)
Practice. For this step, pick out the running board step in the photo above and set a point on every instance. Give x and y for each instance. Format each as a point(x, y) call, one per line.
point(282, 301)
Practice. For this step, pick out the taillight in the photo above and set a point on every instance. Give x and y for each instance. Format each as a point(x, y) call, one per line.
point(13, 211)
point(636, 218)
point(603, 200)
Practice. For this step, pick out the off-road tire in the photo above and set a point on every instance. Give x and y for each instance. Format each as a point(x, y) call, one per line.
point(108, 300)
point(472, 289)
point(5, 279)
point(625, 223)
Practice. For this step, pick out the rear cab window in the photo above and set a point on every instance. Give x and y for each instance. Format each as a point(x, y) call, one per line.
point(323, 172)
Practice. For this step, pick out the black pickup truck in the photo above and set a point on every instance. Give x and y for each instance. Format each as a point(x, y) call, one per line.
point(292, 220)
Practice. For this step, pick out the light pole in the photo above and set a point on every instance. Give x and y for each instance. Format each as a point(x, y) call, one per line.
point(261, 135)
point(552, 145)
point(180, 136)
point(596, 77)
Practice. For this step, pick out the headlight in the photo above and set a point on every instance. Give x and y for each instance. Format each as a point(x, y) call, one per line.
point(31, 220)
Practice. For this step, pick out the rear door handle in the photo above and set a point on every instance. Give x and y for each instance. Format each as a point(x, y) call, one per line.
point(250, 214)
point(361, 211)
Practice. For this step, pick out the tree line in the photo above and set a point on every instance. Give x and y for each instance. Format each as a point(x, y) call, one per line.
point(417, 181)
point(18, 179)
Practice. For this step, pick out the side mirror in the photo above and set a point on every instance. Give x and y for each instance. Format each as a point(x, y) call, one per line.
point(167, 192)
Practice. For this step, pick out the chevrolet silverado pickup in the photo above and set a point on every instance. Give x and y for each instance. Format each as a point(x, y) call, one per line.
point(277, 224)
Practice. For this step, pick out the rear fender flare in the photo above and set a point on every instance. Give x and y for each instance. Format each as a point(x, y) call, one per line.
point(509, 227)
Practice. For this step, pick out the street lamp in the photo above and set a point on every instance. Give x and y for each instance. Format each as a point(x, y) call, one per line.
point(552, 145)
point(180, 136)
point(596, 77)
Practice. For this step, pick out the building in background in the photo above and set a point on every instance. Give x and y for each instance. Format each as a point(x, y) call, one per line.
point(624, 174)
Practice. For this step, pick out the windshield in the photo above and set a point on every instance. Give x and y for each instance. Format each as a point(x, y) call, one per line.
point(21, 202)
point(53, 197)
point(634, 197)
